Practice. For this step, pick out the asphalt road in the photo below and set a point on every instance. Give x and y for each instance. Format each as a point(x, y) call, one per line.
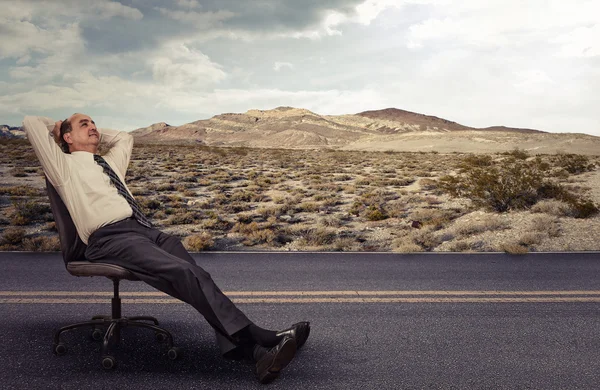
point(380, 321)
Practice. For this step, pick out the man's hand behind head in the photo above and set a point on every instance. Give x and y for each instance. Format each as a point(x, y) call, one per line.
point(56, 131)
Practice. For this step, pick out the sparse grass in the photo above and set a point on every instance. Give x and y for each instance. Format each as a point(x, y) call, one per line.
point(514, 248)
point(199, 242)
point(12, 236)
point(333, 200)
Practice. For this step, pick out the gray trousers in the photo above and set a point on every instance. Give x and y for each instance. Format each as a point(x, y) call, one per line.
point(160, 260)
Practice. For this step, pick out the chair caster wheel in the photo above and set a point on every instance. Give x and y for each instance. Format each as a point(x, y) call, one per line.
point(108, 362)
point(60, 349)
point(174, 353)
point(97, 334)
point(160, 337)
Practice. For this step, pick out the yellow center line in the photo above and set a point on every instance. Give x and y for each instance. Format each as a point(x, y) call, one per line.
point(313, 293)
point(343, 296)
point(314, 300)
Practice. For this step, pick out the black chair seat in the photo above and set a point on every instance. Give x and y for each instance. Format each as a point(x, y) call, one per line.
point(87, 268)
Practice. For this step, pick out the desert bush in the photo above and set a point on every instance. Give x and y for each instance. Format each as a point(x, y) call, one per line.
point(514, 248)
point(460, 246)
point(573, 163)
point(149, 204)
point(404, 246)
point(183, 218)
point(199, 242)
point(316, 236)
point(436, 218)
point(331, 221)
point(518, 154)
point(21, 191)
point(260, 236)
point(41, 244)
point(374, 213)
point(18, 172)
point(308, 207)
point(215, 223)
point(165, 187)
point(530, 238)
point(546, 224)
point(428, 184)
point(426, 239)
point(557, 208)
point(511, 184)
point(476, 161)
point(245, 226)
point(489, 223)
point(12, 236)
point(29, 211)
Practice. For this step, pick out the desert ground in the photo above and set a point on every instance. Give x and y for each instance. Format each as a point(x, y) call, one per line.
point(334, 200)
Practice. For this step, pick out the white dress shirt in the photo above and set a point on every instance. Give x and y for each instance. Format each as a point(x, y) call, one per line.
point(81, 183)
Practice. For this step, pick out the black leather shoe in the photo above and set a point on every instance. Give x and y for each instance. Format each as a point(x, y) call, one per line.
point(276, 359)
point(298, 331)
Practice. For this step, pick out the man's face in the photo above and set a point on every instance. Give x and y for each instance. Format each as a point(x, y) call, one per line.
point(84, 134)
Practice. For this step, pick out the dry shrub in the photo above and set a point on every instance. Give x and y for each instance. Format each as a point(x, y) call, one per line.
point(316, 236)
point(331, 221)
point(308, 207)
point(514, 248)
point(545, 223)
point(244, 226)
point(531, 238)
point(21, 191)
point(345, 244)
point(437, 218)
point(460, 246)
point(29, 211)
point(554, 207)
point(403, 246)
point(428, 184)
point(261, 236)
point(397, 209)
point(573, 163)
point(12, 236)
point(425, 238)
point(41, 244)
point(513, 184)
point(215, 223)
point(374, 213)
point(183, 218)
point(274, 211)
point(488, 223)
point(199, 242)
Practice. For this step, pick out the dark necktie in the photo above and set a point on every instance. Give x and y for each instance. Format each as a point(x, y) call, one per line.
point(137, 213)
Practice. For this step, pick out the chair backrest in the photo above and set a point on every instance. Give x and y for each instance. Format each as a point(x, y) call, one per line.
point(73, 249)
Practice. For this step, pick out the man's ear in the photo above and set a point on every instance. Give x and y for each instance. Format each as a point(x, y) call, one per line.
point(67, 138)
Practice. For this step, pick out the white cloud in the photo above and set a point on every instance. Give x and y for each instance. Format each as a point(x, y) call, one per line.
point(580, 42)
point(26, 27)
point(280, 65)
point(188, 3)
point(501, 22)
point(177, 66)
point(202, 19)
point(110, 9)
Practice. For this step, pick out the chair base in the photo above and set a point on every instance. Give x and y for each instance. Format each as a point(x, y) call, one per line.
point(112, 335)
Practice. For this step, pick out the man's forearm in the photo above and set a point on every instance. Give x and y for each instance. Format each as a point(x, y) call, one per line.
point(120, 145)
point(48, 152)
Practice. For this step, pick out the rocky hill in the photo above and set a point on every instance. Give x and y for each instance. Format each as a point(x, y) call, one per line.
point(380, 130)
point(7, 131)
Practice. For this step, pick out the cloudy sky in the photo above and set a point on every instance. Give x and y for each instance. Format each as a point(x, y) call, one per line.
point(131, 63)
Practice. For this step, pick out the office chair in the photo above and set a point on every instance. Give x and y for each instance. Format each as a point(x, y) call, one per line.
point(73, 250)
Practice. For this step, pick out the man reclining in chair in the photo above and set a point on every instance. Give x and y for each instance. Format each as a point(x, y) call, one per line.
point(109, 221)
